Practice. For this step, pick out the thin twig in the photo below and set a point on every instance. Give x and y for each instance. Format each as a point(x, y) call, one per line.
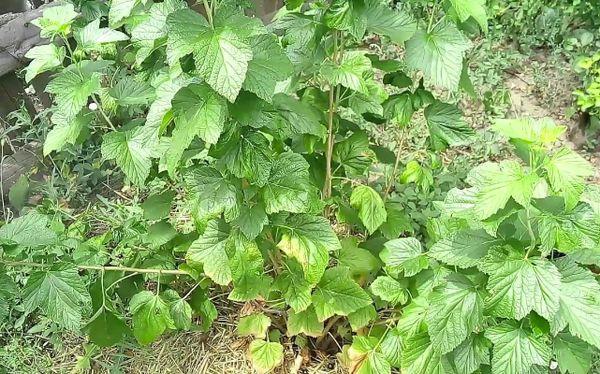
point(101, 268)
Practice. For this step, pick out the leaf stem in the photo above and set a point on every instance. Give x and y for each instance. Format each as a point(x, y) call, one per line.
point(330, 119)
point(209, 12)
point(531, 234)
point(100, 268)
point(390, 182)
point(104, 114)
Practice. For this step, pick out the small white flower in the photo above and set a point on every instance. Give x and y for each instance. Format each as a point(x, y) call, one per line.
point(93, 106)
point(553, 365)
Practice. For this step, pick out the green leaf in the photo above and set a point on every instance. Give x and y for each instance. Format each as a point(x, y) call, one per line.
point(354, 154)
point(567, 172)
point(66, 133)
point(456, 309)
point(359, 261)
point(382, 20)
point(309, 239)
point(399, 108)
point(298, 117)
point(56, 20)
point(154, 24)
point(73, 86)
point(304, 322)
point(60, 293)
point(389, 289)
point(369, 103)
point(30, 230)
point(251, 220)
point(288, 185)
point(180, 310)
point(419, 357)
point(447, 125)
point(268, 66)
point(19, 192)
point(8, 292)
point(471, 8)
point(518, 285)
point(579, 303)
point(391, 348)
point(398, 221)
point(164, 93)
point(210, 192)
point(471, 354)
point(256, 325)
point(105, 329)
point(404, 254)
point(158, 206)
point(371, 208)
point(151, 316)
point(45, 58)
point(535, 131)
point(497, 183)
point(132, 150)
point(211, 250)
point(132, 91)
point(120, 9)
point(249, 156)
point(412, 321)
point(265, 356)
point(516, 350)
point(465, 248)
point(161, 233)
point(573, 355)
point(294, 287)
point(365, 358)
point(247, 266)
point(92, 36)
point(362, 317)
point(222, 58)
point(199, 111)
point(337, 293)
point(439, 54)
point(349, 72)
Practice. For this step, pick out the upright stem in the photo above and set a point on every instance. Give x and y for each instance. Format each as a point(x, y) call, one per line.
point(106, 118)
point(390, 182)
point(330, 119)
point(209, 11)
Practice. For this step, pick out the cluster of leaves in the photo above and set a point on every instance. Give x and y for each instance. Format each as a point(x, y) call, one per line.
point(262, 131)
point(588, 98)
point(570, 24)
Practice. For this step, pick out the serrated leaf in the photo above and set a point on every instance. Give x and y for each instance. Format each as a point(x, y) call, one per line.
point(151, 317)
point(247, 266)
point(158, 206)
point(211, 250)
point(566, 173)
point(8, 292)
point(471, 8)
point(30, 230)
point(309, 239)
point(106, 329)
point(516, 350)
point(132, 150)
point(399, 108)
point(19, 192)
point(398, 221)
point(359, 261)
point(354, 154)
point(92, 36)
point(154, 24)
point(382, 20)
point(120, 9)
point(66, 133)
point(579, 303)
point(56, 20)
point(256, 325)
point(365, 358)
point(438, 54)
point(294, 287)
point(389, 289)
point(265, 356)
point(536, 131)
point(412, 320)
point(573, 355)
point(371, 209)
point(304, 322)
point(251, 220)
point(362, 317)
point(464, 249)
point(518, 285)
point(497, 183)
point(471, 354)
point(268, 66)
point(249, 156)
point(348, 72)
point(132, 91)
point(447, 126)
point(404, 254)
point(60, 293)
point(337, 293)
point(288, 185)
point(298, 117)
point(419, 357)
point(391, 347)
point(456, 309)
point(210, 192)
point(45, 58)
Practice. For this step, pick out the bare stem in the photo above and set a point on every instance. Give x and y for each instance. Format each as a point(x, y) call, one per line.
point(209, 11)
point(390, 182)
point(100, 268)
point(330, 120)
point(104, 114)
